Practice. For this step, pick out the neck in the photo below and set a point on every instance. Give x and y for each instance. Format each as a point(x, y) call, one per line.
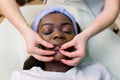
point(56, 67)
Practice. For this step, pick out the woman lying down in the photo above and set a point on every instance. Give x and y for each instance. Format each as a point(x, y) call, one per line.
point(57, 26)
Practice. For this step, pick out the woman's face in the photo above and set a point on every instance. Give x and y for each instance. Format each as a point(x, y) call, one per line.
point(56, 28)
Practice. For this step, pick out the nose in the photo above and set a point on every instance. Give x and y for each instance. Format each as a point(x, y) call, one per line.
point(58, 35)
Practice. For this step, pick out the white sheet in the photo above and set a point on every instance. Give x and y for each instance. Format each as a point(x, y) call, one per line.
point(85, 71)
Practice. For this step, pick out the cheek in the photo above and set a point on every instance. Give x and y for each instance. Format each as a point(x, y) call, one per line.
point(69, 37)
point(45, 37)
point(58, 56)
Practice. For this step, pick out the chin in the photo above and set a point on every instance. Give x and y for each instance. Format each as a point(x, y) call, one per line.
point(58, 56)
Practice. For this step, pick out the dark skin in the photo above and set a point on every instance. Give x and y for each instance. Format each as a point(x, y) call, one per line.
point(56, 28)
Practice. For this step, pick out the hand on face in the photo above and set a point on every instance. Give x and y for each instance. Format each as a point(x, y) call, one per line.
point(79, 42)
point(58, 55)
point(32, 40)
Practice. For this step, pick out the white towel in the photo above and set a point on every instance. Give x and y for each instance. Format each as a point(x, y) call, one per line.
point(85, 71)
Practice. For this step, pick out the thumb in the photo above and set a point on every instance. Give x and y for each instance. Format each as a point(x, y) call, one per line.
point(45, 43)
point(67, 45)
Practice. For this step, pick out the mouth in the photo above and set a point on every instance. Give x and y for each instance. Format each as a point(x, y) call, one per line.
point(57, 56)
point(57, 47)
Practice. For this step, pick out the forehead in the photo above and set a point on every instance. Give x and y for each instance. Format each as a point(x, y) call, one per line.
point(56, 16)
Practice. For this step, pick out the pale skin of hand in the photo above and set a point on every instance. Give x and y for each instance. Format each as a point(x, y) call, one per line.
point(11, 11)
point(33, 49)
point(76, 56)
point(105, 19)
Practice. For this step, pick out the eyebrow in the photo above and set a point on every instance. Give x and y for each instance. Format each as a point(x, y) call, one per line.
point(62, 24)
point(66, 23)
point(47, 24)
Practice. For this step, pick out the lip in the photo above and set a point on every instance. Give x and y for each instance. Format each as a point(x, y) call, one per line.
point(57, 46)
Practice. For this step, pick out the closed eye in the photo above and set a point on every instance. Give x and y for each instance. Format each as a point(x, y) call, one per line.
point(47, 28)
point(67, 28)
point(67, 32)
point(47, 33)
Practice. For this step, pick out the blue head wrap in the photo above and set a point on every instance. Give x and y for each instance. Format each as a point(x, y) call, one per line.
point(51, 9)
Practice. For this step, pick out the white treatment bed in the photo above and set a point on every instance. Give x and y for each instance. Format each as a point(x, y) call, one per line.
point(104, 47)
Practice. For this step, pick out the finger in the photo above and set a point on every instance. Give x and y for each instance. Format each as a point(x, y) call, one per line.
point(42, 52)
point(67, 45)
point(45, 43)
point(42, 58)
point(70, 54)
point(72, 62)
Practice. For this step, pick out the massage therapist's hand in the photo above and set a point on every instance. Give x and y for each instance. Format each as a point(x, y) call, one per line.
point(79, 42)
point(32, 40)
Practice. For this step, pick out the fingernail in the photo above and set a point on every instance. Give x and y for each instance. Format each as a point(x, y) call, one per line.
point(52, 59)
point(61, 60)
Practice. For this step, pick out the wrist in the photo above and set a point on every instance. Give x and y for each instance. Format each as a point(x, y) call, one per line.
point(25, 30)
point(85, 35)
